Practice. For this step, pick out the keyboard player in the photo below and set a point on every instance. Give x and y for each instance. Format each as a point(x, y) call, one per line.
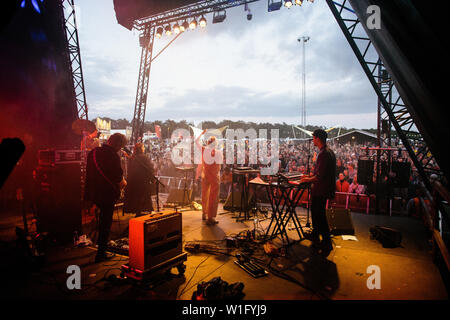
point(323, 188)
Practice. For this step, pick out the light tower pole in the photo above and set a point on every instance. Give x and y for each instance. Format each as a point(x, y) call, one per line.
point(303, 39)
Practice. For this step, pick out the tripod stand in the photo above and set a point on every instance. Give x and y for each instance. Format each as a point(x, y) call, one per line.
point(186, 195)
point(154, 178)
point(186, 198)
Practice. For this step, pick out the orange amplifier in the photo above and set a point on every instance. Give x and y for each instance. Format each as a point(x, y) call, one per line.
point(154, 239)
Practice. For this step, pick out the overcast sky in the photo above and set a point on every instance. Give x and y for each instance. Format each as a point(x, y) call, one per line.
point(236, 70)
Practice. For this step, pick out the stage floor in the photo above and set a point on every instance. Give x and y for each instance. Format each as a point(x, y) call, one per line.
point(406, 272)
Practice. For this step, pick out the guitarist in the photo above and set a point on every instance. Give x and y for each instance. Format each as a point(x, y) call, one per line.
point(104, 182)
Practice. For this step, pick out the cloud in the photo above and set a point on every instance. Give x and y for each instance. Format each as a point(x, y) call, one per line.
point(237, 69)
point(107, 93)
point(235, 102)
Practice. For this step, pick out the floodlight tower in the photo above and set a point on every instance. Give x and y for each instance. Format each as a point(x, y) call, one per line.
point(303, 39)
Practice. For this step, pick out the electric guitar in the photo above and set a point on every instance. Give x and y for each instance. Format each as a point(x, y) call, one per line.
point(119, 191)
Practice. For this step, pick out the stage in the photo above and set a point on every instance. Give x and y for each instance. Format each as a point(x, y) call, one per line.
point(406, 273)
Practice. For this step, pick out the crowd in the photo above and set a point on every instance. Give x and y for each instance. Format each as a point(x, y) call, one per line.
point(295, 156)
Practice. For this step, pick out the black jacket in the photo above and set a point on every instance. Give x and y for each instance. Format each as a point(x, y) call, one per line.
point(101, 188)
point(325, 171)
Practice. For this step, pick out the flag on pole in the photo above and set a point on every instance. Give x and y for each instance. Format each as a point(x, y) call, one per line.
point(217, 132)
point(196, 131)
point(158, 131)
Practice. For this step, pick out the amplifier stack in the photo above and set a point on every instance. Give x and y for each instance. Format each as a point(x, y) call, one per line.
point(155, 242)
point(58, 197)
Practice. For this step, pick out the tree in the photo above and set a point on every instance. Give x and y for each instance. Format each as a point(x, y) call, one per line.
point(209, 125)
point(121, 124)
point(168, 126)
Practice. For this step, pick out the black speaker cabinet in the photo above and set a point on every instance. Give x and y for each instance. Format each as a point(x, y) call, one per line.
point(340, 221)
point(365, 171)
point(402, 172)
point(58, 200)
point(385, 126)
point(384, 168)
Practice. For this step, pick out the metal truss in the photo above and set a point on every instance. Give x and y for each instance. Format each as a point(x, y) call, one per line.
point(393, 107)
point(189, 11)
point(385, 84)
point(73, 48)
point(147, 28)
point(146, 40)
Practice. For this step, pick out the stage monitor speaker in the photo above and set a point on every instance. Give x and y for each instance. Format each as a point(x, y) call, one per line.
point(340, 221)
point(389, 237)
point(58, 201)
point(402, 172)
point(179, 196)
point(233, 201)
point(154, 239)
point(365, 171)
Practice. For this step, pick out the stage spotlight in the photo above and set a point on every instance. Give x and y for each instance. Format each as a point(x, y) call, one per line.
point(184, 26)
point(219, 16)
point(288, 3)
point(274, 5)
point(298, 2)
point(168, 30)
point(193, 24)
point(176, 28)
point(202, 22)
point(159, 32)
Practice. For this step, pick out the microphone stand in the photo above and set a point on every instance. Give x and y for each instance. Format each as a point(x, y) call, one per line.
point(154, 178)
point(309, 186)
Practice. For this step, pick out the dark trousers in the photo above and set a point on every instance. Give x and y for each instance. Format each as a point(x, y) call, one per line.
point(319, 219)
point(105, 222)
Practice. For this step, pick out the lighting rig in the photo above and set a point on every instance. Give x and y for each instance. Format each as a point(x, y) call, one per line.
point(179, 26)
point(177, 22)
point(397, 112)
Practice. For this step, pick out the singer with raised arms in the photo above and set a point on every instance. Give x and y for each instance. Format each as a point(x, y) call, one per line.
point(212, 158)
